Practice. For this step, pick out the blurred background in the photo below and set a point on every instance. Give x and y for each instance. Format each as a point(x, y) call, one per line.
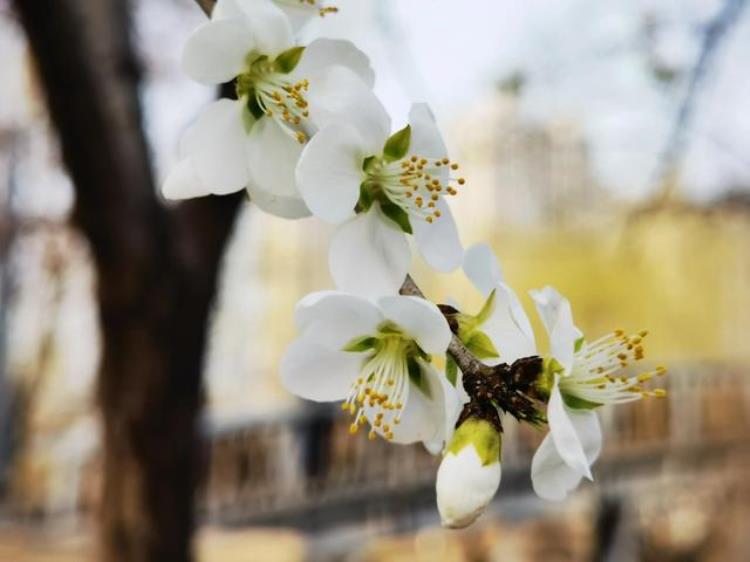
point(606, 147)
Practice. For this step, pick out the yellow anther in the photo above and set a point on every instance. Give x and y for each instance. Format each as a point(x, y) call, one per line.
point(372, 435)
point(461, 181)
point(353, 428)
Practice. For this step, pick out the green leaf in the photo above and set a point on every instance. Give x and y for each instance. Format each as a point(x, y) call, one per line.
point(397, 145)
point(477, 432)
point(364, 343)
point(366, 199)
point(368, 163)
point(288, 60)
point(579, 403)
point(487, 308)
point(248, 120)
point(579, 344)
point(481, 345)
point(451, 370)
point(397, 215)
point(252, 106)
point(417, 377)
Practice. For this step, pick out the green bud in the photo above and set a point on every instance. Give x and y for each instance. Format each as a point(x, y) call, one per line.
point(397, 215)
point(482, 435)
point(288, 60)
point(546, 379)
point(397, 145)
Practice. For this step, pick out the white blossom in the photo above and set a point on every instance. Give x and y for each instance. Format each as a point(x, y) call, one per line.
point(578, 376)
point(380, 188)
point(285, 93)
point(377, 358)
point(469, 474)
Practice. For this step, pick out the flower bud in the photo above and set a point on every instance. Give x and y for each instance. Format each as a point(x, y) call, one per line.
point(469, 474)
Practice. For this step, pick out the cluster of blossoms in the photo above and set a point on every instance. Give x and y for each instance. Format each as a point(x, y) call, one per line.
point(307, 136)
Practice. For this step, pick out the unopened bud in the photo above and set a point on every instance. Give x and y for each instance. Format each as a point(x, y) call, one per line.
point(469, 474)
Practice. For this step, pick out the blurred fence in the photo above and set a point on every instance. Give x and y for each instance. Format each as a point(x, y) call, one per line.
point(307, 470)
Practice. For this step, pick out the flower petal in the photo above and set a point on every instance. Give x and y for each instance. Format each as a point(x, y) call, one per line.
point(182, 182)
point(315, 372)
point(215, 52)
point(420, 318)
point(465, 487)
point(271, 28)
point(215, 143)
point(557, 317)
point(482, 268)
point(339, 95)
point(329, 172)
point(563, 431)
point(551, 477)
point(272, 156)
point(423, 418)
point(438, 241)
point(333, 319)
point(368, 256)
point(426, 139)
point(322, 54)
point(509, 328)
point(226, 9)
point(279, 206)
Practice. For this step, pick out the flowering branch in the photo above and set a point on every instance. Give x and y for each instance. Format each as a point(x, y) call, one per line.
point(510, 387)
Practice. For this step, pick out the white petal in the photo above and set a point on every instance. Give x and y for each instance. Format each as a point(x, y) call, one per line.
point(426, 139)
point(557, 317)
point(182, 182)
point(299, 15)
point(272, 156)
point(551, 477)
point(482, 268)
point(464, 487)
point(271, 28)
point(421, 319)
point(215, 52)
point(368, 256)
point(322, 54)
point(423, 418)
point(318, 373)
point(329, 172)
point(509, 328)
point(215, 143)
point(333, 319)
point(438, 241)
point(339, 95)
point(226, 9)
point(563, 430)
point(280, 206)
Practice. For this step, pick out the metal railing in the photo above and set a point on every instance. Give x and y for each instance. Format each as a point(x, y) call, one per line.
point(308, 470)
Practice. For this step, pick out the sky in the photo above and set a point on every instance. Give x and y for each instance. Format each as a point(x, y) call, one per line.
point(586, 61)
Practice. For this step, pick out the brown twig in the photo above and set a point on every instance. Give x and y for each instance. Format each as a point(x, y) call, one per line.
point(508, 387)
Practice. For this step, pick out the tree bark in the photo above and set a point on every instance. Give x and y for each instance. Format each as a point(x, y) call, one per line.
point(156, 270)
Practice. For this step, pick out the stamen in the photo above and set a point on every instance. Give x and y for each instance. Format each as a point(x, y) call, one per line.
point(415, 184)
point(595, 374)
point(379, 394)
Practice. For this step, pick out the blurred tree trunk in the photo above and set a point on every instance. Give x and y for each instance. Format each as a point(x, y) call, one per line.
point(157, 274)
